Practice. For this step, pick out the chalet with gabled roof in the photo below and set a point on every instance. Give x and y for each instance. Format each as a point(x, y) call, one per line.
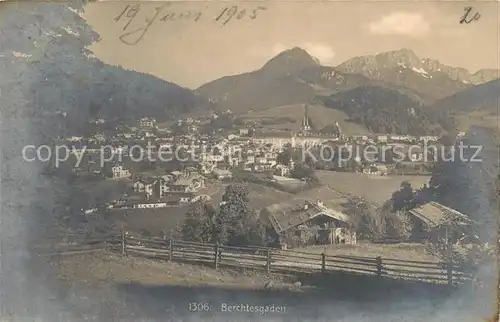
point(304, 221)
point(436, 222)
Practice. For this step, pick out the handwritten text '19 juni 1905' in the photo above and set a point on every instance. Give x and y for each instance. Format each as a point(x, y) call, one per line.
point(133, 35)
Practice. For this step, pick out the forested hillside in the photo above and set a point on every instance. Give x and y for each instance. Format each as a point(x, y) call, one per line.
point(384, 110)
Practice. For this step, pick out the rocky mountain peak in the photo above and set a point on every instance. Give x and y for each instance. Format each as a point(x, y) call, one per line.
point(374, 66)
point(391, 59)
point(290, 61)
point(398, 57)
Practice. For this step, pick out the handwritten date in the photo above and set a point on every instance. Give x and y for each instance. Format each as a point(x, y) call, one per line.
point(130, 13)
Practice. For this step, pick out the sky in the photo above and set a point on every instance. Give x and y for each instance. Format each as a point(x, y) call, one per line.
point(191, 53)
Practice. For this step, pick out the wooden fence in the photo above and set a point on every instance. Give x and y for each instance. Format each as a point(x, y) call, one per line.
point(287, 261)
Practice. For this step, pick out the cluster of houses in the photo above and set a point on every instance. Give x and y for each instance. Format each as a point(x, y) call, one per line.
point(244, 148)
point(314, 217)
point(320, 217)
point(171, 189)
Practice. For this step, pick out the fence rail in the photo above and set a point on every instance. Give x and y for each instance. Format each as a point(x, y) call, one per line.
point(276, 260)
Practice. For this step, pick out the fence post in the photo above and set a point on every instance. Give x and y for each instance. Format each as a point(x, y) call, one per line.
point(268, 263)
point(449, 251)
point(323, 263)
point(170, 250)
point(449, 272)
point(216, 255)
point(124, 243)
point(379, 266)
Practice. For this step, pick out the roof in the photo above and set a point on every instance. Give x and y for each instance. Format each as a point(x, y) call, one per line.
point(286, 218)
point(166, 177)
point(187, 181)
point(293, 212)
point(146, 180)
point(222, 172)
point(435, 214)
point(273, 135)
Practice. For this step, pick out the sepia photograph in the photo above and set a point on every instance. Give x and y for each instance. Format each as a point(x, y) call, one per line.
point(249, 161)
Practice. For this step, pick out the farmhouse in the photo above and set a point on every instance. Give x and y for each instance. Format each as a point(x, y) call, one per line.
point(185, 183)
point(145, 185)
point(301, 221)
point(436, 222)
point(119, 172)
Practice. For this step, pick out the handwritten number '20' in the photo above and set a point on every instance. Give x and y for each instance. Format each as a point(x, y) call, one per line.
point(229, 13)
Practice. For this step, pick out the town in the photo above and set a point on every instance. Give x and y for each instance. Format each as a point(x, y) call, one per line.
point(280, 161)
point(216, 151)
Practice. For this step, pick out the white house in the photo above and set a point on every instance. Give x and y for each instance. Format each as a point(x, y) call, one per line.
point(382, 138)
point(144, 185)
point(118, 172)
point(243, 131)
point(147, 122)
point(429, 138)
point(151, 205)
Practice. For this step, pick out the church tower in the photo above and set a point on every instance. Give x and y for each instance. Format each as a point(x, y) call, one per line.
point(339, 130)
point(305, 122)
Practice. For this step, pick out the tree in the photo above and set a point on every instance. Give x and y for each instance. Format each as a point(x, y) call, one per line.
point(404, 198)
point(467, 187)
point(364, 219)
point(45, 72)
point(398, 225)
point(382, 110)
point(200, 224)
point(352, 165)
point(306, 173)
point(234, 212)
point(43, 67)
point(239, 224)
point(423, 195)
point(284, 157)
point(233, 224)
point(388, 156)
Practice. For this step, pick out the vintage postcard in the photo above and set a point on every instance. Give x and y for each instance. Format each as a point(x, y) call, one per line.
point(249, 161)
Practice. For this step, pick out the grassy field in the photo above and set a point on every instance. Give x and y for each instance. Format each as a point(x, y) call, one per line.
point(375, 189)
point(372, 188)
point(260, 195)
point(108, 287)
point(157, 221)
point(320, 117)
point(111, 268)
point(402, 251)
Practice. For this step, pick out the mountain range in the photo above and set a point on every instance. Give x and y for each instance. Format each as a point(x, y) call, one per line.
point(372, 65)
point(394, 91)
point(484, 97)
point(293, 76)
point(425, 80)
point(380, 87)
